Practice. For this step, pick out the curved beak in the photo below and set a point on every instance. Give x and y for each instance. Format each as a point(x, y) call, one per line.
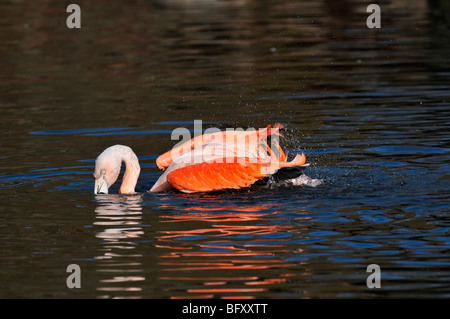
point(101, 187)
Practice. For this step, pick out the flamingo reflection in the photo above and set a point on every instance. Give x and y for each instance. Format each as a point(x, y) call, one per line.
point(226, 239)
point(119, 221)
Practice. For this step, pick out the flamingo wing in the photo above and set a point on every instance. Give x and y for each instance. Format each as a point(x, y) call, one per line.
point(208, 153)
point(251, 138)
point(216, 161)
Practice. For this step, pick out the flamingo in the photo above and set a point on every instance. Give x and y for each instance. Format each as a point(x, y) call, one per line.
point(209, 162)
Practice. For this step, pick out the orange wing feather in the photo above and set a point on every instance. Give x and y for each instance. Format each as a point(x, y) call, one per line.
point(211, 176)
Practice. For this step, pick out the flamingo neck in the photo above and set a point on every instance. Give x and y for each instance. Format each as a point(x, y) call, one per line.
point(132, 171)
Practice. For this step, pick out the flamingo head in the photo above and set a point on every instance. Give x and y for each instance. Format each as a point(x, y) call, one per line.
point(101, 185)
point(106, 172)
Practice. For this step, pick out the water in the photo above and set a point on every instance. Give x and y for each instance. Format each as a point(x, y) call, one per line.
point(370, 109)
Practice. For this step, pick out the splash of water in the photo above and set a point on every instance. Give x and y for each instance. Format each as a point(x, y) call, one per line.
point(302, 180)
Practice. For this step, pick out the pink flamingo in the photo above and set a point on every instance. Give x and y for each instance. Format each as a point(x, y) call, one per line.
point(210, 162)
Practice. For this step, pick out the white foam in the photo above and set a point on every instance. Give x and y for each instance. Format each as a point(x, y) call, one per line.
point(304, 180)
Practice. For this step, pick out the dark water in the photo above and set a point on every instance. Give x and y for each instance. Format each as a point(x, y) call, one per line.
point(369, 107)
